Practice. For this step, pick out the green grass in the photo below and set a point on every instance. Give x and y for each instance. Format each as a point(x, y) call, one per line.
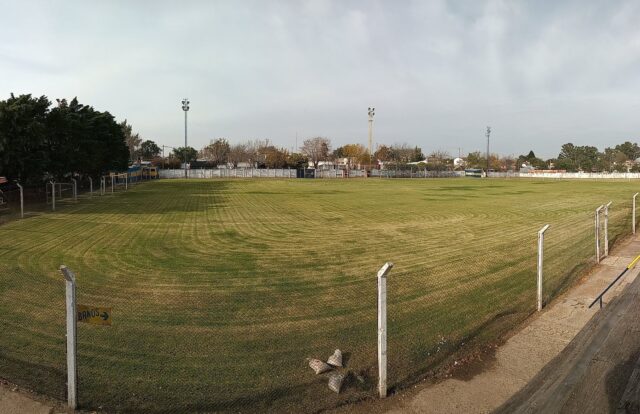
point(221, 289)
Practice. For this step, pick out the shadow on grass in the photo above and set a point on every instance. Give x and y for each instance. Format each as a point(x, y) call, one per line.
point(39, 378)
point(160, 197)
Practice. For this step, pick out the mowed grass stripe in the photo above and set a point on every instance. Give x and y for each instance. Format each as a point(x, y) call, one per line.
point(222, 288)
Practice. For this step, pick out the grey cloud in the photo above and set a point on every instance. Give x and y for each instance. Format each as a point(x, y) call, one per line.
point(541, 73)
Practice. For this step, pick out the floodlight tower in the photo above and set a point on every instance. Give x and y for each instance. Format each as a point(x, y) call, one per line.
point(488, 134)
point(185, 108)
point(371, 113)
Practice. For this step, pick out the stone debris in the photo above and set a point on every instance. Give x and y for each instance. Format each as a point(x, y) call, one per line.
point(335, 382)
point(335, 359)
point(319, 366)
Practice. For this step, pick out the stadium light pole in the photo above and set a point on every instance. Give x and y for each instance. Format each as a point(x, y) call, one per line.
point(488, 135)
point(185, 108)
point(371, 112)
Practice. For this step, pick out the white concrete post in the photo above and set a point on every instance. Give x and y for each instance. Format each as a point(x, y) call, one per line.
point(75, 189)
point(126, 181)
point(103, 185)
point(72, 372)
point(633, 214)
point(53, 196)
point(540, 260)
point(90, 187)
point(112, 178)
point(606, 229)
point(21, 200)
point(597, 224)
point(382, 329)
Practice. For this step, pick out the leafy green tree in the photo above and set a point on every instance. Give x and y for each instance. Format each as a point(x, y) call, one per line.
point(148, 149)
point(532, 160)
point(37, 143)
point(476, 160)
point(188, 153)
point(417, 155)
point(631, 150)
point(23, 139)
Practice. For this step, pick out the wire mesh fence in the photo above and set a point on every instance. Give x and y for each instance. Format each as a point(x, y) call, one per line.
point(221, 290)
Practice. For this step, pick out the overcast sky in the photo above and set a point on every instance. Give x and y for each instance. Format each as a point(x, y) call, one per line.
point(541, 73)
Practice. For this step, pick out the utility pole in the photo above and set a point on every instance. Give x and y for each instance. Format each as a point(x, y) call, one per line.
point(185, 108)
point(371, 113)
point(488, 135)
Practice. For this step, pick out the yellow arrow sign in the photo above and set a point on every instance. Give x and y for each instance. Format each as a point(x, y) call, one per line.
point(94, 315)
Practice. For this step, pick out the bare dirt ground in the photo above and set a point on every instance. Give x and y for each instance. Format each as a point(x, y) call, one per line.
point(592, 372)
point(14, 400)
point(488, 383)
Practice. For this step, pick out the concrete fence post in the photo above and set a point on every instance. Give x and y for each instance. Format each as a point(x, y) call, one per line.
point(90, 187)
point(597, 225)
point(72, 328)
point(633, 214)
point(382, 329)
point(53, 196)
point(21, 200)
point(112, 179)
point(540, 262)
point(606, 229)
point(75, 189)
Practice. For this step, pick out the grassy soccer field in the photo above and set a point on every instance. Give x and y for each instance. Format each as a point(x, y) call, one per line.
point(221, 289)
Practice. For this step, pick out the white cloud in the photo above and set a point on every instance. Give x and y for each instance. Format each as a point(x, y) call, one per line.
point(541, 73)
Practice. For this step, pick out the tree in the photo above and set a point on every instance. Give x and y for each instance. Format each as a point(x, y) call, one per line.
point(297, 160)
point(148, 149)
point(383, 153)
point(133, 140)
point(188, 153)
point(532, 160)
point(241, 153)
point(438, 160)
point(274, 157)
point(217, 151)
point(631, 150)
point(24, 151)
point(37, 143)
point(417, 155)
point(354, 153)
point(403, 153)
point(579, 158)
point(476, 160)
point(317, 149)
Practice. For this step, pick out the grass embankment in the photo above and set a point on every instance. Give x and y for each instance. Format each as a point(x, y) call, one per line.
point(221, 289)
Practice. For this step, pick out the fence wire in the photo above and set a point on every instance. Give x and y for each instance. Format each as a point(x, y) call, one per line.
point(221, 290)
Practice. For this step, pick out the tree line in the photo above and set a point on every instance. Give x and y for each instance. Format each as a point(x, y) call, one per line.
point(572, 158)
point(40, 142)
point(263, 154)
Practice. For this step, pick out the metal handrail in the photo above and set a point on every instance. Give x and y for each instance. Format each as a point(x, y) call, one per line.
point(599, 298)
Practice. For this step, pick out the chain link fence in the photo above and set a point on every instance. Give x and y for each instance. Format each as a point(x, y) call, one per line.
point(222, 290)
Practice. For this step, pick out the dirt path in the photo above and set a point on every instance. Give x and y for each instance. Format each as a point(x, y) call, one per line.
point(16, 401)
point(523, 355)
point(590, 375)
